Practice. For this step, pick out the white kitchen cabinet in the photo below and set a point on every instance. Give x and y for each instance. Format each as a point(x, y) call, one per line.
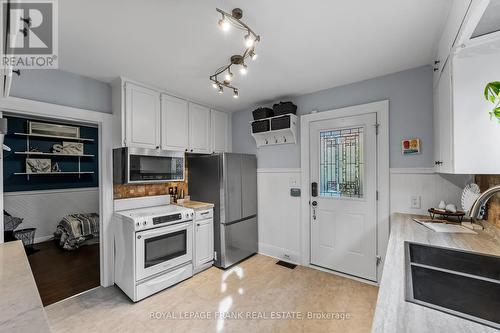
point(466, 138)
point(443, 121)
point(204, 240)
point(448, 40)
point(220, 131)
point(142, 112)
point(136, 114)
point(174, 123)
point(199, 129)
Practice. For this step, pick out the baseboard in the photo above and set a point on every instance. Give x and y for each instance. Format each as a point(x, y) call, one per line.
point(279, 253)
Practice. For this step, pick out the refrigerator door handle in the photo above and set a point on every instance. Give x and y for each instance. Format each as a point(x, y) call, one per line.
point(240, 220)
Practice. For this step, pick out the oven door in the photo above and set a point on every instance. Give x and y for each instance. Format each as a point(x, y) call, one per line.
point(151, 166)
point(162, 248)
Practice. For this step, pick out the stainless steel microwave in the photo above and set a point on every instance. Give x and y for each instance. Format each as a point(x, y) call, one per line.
point(140, 165)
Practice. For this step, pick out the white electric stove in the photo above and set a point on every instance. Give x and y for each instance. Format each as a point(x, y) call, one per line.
point(153, 245)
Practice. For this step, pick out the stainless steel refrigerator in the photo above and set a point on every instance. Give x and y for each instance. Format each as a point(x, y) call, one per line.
point(229, 181)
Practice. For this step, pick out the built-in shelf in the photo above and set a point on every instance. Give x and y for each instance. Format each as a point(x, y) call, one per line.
point(54, 137)
point(51, 154)
point(54, 173)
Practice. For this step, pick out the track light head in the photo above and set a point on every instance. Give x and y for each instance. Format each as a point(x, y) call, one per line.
point(243, 69)
point(249, 40)
point(252, 55)
point(221, 89)
point(229, 76)
point(235, 93)
point(224, 24)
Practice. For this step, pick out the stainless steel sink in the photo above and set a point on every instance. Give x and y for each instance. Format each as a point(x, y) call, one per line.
point(462, 283)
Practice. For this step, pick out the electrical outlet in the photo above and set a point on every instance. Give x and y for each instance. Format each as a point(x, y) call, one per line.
point(415, 201)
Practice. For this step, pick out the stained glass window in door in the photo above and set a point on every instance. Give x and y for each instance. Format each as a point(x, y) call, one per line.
point(341, 163)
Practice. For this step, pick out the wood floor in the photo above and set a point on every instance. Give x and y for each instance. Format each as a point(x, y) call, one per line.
point(60, 274)
point(254, 296)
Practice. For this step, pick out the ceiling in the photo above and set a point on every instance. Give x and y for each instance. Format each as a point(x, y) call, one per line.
point(305, 46)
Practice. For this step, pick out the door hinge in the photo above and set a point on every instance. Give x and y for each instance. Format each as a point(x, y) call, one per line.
point(379, 260)
point(215, 255)
point(377, 125)
point(376, 195)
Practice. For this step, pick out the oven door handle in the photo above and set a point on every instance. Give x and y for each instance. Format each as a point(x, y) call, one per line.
point(163, 230)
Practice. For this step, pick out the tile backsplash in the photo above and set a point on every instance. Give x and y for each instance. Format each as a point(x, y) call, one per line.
point(133, 191)
point(484, 182)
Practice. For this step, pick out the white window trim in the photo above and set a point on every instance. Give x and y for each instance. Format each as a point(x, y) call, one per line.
point(25, 107)
point(381, 108)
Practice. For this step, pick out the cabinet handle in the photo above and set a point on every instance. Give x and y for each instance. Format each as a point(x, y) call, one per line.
point(437, 62)
point(191, 150)
point(186, 149)
point(157, 147)
point(197, 224)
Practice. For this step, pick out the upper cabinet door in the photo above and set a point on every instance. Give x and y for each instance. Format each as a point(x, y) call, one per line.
point(142, 112)
point(174, 123)
point(449, 37)
point(199, 129)
point(220, 131)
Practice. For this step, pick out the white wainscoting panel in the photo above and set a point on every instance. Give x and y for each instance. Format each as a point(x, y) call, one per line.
point(44, 209)
point(430, 187)
point(279, 213)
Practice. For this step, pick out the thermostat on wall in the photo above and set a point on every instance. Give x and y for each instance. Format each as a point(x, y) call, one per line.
point(295, 192)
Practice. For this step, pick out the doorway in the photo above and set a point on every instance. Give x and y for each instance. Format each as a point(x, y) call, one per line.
point(343, 174)
point(345, 167)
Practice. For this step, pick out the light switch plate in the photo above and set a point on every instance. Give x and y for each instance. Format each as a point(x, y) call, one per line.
point(415, 202)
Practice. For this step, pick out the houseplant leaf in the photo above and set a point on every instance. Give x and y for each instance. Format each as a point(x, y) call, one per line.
point(492, 91)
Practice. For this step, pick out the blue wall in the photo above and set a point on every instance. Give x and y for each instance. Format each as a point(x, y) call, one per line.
point(63, 88)
point(410, 116)
point(17, 163)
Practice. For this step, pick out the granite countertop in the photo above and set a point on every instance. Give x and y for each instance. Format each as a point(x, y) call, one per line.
point(393, 314)
point(21, 308)
point(196, 205)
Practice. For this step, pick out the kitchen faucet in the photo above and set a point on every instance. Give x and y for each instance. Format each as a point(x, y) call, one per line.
point(478, 207)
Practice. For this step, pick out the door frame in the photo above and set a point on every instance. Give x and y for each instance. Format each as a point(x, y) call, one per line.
point(381, 108)
point(26, 107)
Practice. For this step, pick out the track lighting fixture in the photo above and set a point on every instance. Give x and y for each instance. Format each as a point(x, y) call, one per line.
point(250, 39)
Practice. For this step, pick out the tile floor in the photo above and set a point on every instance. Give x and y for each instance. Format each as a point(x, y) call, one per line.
point(257, 287)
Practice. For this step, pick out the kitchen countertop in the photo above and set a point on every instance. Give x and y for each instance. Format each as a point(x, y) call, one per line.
point(393, 313)
point(196, 205)
point(21, 308)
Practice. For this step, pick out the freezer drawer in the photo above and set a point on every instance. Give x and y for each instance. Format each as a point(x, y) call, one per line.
point(238, 241)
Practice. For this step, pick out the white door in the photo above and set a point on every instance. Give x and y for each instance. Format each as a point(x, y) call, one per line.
point(142, 109)
point(175, 123)
point(204, 242)
point(219, 128)
point(343, 157)
point(199, 129)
